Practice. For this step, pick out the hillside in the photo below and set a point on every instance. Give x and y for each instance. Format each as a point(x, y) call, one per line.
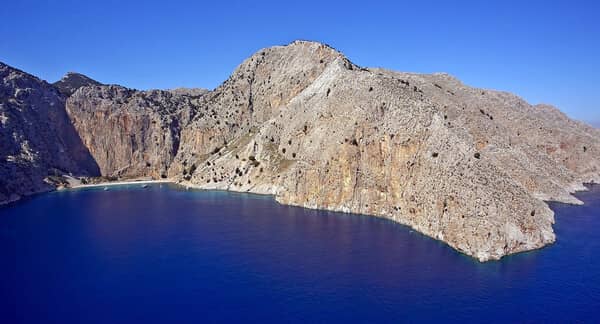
point(38, 142)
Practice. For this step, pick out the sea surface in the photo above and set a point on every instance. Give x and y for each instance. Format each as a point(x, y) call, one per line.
point(162, 254)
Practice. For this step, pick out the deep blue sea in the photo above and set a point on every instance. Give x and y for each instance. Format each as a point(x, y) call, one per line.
point(161, 254)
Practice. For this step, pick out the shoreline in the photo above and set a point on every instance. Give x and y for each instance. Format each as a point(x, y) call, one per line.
point(186, 185)
point(116, 183)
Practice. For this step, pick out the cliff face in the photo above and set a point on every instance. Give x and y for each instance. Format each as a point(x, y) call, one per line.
point(128, 132)
point(38, 143)
point(467, 166)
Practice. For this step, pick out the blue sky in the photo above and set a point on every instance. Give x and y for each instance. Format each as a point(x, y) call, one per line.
point(544, 51)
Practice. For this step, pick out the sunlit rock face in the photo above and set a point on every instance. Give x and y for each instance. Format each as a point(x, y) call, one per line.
point(467, 166)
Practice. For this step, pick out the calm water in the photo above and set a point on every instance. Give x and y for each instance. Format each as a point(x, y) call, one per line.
point(167, 255)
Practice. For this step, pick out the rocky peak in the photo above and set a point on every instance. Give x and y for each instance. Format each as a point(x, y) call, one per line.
point(20, 83)
point(272, 77)
point(72, 81)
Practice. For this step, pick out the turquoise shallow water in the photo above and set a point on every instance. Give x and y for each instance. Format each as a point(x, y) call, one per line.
point(163, 254)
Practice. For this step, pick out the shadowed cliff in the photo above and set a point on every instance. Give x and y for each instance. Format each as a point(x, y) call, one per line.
point(38, 142)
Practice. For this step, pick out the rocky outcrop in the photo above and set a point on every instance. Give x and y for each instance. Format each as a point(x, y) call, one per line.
point(73, 81)
point(470, 167)
point(467, 166)
point(38, 143)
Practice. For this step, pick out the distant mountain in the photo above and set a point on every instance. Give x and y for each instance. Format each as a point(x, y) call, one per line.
point(470, 167)
point(73, 81)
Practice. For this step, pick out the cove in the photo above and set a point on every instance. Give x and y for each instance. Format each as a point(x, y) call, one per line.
point(162, 254)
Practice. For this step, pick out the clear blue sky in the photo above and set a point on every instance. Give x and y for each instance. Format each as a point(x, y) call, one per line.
point(545, 51)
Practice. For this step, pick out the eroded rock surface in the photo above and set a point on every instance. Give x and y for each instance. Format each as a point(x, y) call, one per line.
point(129, 132)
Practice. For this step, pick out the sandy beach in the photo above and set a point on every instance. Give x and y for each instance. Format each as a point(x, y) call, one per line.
point(117, 183)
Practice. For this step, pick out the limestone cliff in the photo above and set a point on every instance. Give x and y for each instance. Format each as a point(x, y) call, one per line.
point(38, 143)
point(129, 132)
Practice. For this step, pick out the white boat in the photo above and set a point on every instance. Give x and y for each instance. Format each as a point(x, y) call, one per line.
point(105, 188)
point(144, 186)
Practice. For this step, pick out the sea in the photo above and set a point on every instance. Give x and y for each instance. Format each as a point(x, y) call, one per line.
point(163, 254)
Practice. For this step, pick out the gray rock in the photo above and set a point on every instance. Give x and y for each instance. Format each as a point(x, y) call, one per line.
point(192, 92)
point(73, 81)
point(37, 140)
